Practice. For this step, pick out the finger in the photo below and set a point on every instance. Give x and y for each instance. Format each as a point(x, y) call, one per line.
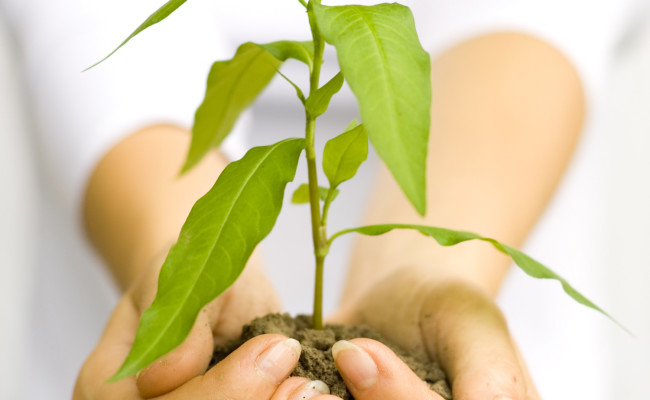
point(253, 371)
point(107, 357)
point(185, 362)
point(372, 371)
point(466, 332)
point(298, 388)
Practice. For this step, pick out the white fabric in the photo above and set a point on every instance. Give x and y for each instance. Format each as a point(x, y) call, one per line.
point(80, 116)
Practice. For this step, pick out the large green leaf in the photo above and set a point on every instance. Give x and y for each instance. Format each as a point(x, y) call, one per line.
point(319, 101)
point(344, 154)
point(448, 237)
point(389, 73)
point(215, 242)
point(232, 86)
point(159, 15)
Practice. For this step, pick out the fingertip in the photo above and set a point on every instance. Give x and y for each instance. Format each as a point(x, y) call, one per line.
point(288, 387)
point(257, 367)
point(299, 388)
point(374, 372)
point(277, 361)
point(356, 365)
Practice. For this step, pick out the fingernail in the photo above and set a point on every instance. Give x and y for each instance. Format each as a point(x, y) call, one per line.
point(309, 390)
point(277, 362)
point(355, 364)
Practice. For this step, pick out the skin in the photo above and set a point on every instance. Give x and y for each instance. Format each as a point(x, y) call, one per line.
point(506, 115)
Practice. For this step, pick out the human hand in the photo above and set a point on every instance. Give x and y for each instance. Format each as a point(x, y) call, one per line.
point(453, 323)
point(179, 372)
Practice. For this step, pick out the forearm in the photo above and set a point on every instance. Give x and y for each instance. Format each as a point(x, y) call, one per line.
point(136, 203)
point(507, 111)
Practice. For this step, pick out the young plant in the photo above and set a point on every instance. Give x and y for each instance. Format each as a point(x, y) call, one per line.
point(388, 71)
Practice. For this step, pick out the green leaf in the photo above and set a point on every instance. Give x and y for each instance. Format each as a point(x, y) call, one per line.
point(344, 154)
point(301, 195)
point(232, 87)
point(318, 101)
point(285, 49)
point(389, 72)
point(159, 15)
point(215, 242)
point(448, 237)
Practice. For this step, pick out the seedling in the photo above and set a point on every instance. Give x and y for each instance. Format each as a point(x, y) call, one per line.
point(388, 71)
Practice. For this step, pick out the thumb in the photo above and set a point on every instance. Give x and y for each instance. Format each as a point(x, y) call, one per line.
point(373, 372)
point(253, 371)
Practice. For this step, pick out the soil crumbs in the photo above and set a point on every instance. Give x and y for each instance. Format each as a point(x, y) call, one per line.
point(316, 361)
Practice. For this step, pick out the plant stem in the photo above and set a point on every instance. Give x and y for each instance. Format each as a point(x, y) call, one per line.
point(318, 231)
point(319, 234)
point(317, 316)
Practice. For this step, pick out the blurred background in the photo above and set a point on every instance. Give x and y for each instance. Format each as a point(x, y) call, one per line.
point(595, 233)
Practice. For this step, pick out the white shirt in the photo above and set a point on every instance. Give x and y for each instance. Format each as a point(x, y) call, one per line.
point(78, 117)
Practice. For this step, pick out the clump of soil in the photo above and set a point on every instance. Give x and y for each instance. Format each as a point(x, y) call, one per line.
point(316, 361)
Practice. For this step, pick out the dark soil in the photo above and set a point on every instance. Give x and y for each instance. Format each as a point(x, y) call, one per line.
point(316, 362)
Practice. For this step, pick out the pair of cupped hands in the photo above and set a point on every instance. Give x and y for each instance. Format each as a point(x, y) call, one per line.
point(454, 323)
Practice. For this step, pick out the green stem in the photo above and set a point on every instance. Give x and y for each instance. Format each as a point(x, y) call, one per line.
point(317, 317)
point(319, 235)
point(314, 200)
point(318, 232)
